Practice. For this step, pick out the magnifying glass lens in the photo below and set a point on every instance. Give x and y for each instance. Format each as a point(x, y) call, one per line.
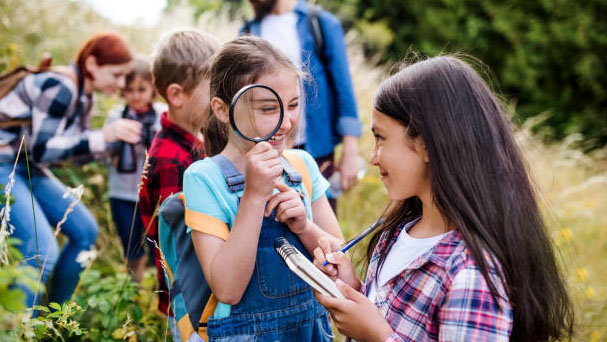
point(257, 113)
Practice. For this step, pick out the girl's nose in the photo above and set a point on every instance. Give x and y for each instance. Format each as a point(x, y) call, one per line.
point(289, 120)
point(374, 159)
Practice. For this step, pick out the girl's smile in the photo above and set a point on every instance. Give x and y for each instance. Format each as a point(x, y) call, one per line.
point(398, 154)
point(382, 174)
point(286, 84)
point(276, 139)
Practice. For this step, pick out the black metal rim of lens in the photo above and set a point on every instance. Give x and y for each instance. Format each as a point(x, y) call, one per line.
point(235, 100)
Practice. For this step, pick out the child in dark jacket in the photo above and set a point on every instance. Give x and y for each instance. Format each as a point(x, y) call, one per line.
point(127, 163)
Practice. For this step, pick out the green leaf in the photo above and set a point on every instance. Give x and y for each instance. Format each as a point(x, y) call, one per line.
point(55, 306)
point(41, 308)
point(137, 314)
point(13, 300)
point(104, 306)
point(105, 321)
point(92, 302)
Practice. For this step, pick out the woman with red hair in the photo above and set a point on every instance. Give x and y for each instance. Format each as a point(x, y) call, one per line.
point(56, 107)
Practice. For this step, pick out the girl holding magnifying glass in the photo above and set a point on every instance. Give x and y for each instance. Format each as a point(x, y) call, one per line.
point(245, 196)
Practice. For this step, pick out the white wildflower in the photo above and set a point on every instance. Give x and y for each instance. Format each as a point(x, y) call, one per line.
point(86, 258)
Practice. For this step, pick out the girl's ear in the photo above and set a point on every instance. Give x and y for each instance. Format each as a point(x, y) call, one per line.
point(175, 95)
point(420, 147)
point(220, 109)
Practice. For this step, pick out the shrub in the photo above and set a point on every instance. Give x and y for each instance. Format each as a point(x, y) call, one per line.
point(547, 55)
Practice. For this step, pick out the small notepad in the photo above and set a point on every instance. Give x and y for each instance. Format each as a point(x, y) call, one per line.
point(306, 270)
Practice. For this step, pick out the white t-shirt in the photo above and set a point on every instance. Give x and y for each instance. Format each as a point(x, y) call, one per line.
point(281, 31)
point(404, 251)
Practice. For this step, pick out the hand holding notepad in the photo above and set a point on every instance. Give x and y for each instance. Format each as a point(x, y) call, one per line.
point(305, 269)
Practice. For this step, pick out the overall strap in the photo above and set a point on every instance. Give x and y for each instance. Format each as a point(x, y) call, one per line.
point(298, 164)
point(233, 178)
point(292, 175)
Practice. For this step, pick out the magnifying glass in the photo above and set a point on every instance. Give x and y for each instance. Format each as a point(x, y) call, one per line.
point(256, 112)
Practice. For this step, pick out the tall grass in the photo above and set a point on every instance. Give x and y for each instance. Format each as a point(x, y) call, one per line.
point(572, 186)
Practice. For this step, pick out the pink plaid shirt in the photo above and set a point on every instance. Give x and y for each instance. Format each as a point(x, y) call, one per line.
point(442, 296)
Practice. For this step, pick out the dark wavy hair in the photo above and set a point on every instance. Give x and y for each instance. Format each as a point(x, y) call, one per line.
point(480, 184)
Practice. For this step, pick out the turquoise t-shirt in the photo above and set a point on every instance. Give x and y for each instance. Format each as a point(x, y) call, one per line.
point(206, 192)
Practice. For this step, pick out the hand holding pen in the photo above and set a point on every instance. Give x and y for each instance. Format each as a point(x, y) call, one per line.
point(359, 237)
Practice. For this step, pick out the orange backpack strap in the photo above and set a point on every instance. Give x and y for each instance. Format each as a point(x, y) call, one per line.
point(206, 224)
point(208, 311)
point(209, 225)
point(300, 166)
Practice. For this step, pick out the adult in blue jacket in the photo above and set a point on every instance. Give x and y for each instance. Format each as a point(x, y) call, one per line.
point(331, 115)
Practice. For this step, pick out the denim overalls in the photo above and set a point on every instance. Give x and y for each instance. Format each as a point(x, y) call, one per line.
point(277, 305)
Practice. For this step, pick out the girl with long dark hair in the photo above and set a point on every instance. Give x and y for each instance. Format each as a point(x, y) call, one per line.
point(462, 254)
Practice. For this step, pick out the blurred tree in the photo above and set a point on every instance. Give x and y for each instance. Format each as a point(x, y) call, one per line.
point(233, 7)
point(548, 55)
point(29, 28)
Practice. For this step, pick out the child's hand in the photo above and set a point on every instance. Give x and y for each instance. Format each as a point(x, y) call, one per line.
point(263, 171)
point(122, 129)
point(290, 208)
point(356, 316)
point(340, 265)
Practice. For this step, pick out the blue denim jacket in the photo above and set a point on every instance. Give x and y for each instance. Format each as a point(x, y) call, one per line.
point(330, 110)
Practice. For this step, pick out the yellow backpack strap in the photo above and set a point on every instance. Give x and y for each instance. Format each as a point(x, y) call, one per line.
point(300, 166)
point(213, 226)
point(208, 311)
point(205, 223)
point(185, 328)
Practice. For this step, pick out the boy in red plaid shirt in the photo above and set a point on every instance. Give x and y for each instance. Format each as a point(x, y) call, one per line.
point(181, 68)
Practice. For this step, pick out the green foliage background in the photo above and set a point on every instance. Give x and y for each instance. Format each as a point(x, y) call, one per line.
point(548, 56)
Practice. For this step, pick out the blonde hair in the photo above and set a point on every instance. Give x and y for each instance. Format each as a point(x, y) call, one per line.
point(183, 56)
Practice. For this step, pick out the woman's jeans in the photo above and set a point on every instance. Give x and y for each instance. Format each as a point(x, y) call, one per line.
point(35, 228)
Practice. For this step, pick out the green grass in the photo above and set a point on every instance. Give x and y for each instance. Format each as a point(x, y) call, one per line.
point(573, 186)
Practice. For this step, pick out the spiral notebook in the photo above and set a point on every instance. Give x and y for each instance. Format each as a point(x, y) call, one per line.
point(306, 270)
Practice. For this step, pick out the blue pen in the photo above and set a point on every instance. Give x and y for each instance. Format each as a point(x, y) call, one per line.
point(360, 236)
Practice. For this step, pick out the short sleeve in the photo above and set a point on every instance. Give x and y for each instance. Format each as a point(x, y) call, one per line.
point(469, 312)
point(202, 188)
point(319, 183)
